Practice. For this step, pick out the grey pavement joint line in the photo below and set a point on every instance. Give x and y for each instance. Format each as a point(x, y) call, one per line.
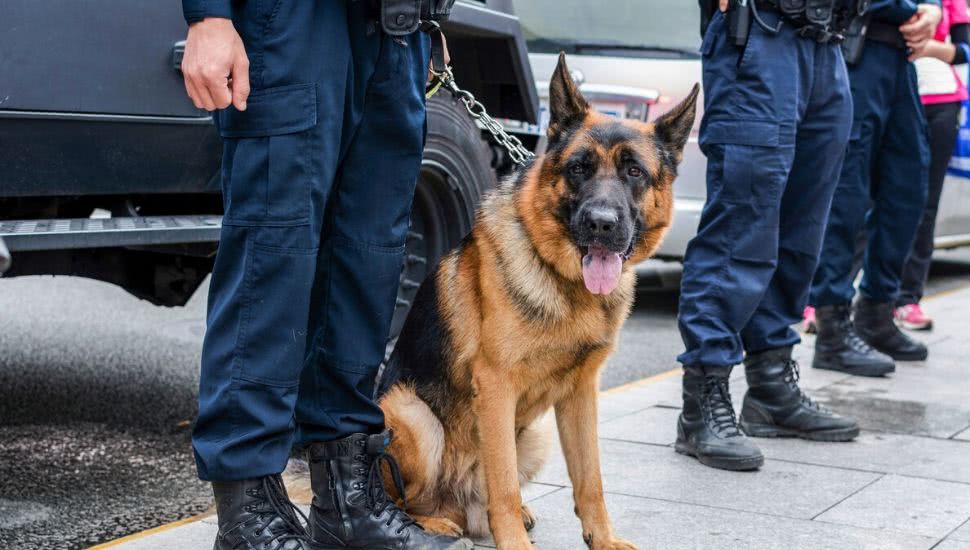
point(847, 497)
point(865, 470)
point(947, 536)
point(725, 508)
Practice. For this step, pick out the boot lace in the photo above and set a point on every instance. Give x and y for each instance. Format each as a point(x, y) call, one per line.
point(852, 338)
point(792, 376)
point(718, 406)
point(377, 498)
point(273, 493)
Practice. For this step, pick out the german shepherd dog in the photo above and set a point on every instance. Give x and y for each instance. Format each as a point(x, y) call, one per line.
point(520, 318)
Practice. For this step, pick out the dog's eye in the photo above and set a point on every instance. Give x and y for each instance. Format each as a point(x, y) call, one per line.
point(577, 169)
point(634, 172)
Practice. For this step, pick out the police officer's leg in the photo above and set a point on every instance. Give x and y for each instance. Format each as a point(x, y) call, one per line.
point(838, 346)
point(364, 246)
point(774, 405)
point(358, 271)
point(748, 138)
point(899, 196)
point(280, 156)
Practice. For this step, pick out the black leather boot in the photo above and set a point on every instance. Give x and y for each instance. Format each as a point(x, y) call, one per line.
point(351, 507)
point(707, 428)
point(839, 347)
point(256, 514)
point(874, 321)
point(774, 405)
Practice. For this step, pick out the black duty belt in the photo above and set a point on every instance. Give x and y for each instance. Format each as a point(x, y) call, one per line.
point(812, 31)
point(886, 33)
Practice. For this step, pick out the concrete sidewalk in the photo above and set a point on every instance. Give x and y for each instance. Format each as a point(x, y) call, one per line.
point(905, 483)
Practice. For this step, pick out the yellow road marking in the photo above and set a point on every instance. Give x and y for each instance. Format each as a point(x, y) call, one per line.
point(643, 381)
point(150, 532)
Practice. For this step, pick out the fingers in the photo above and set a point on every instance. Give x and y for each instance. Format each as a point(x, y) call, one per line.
point(216, 83)
point(240, 82)
point(199, 95)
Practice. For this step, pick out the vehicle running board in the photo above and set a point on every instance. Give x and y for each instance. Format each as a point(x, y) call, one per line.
point(57, 234)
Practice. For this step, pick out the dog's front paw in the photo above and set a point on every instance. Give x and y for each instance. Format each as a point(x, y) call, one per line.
point(528, 518)
point(611, 543)
point(440, 526)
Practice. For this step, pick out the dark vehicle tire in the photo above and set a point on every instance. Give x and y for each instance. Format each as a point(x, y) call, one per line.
point(455, 172)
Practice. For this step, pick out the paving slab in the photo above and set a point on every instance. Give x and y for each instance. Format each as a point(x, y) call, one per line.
point(906, 504)
point(929, 401)
point(940, 459)
point(191, 536)
point(637, 397)
point(655, 426)
point(962, 533)
point(779, 488)
point(650, 523)
point(950, 544)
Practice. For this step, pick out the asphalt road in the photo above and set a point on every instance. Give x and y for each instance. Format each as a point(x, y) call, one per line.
point(97, 394)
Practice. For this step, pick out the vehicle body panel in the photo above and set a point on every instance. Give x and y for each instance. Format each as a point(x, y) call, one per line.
point(95, 104)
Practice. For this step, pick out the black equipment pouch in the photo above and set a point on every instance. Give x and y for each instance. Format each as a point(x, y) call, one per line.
point(855, 39)
point(708, 9)
point(739, 22)
point(819, 12)
point(400, 17)
point(403, 17)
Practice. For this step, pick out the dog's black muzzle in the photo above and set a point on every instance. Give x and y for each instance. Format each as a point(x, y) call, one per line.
point(608, 225)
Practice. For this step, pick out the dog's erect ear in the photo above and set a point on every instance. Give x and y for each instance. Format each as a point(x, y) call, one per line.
point(673, 128)
point(566, 104)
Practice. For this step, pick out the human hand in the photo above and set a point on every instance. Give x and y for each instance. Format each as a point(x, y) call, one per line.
point(215, 66)
point(936, 49)
point(920, 28)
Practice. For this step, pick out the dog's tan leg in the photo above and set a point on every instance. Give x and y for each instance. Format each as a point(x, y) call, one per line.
point(576, 417)
point(494, 408)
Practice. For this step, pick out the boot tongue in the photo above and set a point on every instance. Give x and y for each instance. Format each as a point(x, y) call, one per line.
point(601, 269)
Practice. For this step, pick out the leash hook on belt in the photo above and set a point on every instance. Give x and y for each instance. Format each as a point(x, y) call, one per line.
point(445, 79)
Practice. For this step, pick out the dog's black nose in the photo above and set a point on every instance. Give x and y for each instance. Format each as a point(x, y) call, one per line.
point(601, 222)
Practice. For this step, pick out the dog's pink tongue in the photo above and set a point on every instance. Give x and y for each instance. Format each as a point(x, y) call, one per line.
point(601, 270)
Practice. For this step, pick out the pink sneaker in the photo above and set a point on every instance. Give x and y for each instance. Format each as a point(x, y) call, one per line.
point(808, 320)
point(912, 317)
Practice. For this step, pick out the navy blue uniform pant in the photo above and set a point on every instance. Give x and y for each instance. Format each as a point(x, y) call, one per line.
point(884, 181)
point(318, 177)
point(776, 122)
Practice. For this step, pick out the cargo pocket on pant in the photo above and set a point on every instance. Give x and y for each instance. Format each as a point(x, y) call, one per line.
point(272, 344)
point(267, 171)
point(754, 172)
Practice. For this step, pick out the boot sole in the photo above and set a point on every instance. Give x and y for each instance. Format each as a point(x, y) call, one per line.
point(870, 371)
point(909, 356)
point(768, 430)
point(732, 464)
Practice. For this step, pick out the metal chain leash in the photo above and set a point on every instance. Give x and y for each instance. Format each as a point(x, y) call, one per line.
point(519, 153)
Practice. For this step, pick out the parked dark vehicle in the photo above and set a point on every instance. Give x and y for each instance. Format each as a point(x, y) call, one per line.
point(108, 171)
